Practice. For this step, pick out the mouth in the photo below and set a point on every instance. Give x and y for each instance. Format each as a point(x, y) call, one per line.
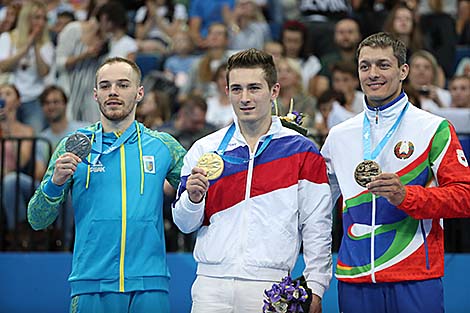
point(375, 85)
point(113, 103)
point(247, 109)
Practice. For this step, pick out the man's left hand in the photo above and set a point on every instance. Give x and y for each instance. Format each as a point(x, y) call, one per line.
point(315, 306)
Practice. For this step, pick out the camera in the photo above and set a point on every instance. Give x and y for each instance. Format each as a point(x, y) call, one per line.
point(424, 91)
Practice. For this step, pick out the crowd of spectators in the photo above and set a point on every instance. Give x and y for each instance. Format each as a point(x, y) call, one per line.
point(51, 49)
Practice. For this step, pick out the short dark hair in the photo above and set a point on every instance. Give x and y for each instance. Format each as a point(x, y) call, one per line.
point(49, 89)
point(254, 58)
point(344, 67)
point(384, 40)
point(112, 60)
point(115, 12)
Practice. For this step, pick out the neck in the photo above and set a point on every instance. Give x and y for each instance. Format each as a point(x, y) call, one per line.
point(115, 126)
point(59, 126)
point(252, 131)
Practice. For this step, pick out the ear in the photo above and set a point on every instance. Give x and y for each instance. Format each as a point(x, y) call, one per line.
point(404, 71)
point(275, 89)
point(95, 94)
point(140, 94)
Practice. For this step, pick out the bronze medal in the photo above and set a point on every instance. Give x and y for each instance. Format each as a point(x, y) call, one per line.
point(212, 163)
point(365, 171)
point(78, 144)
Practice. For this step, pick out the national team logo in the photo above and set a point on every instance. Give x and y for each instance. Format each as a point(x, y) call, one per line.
point(404, 149)
point(149, 164)
point(461, 157)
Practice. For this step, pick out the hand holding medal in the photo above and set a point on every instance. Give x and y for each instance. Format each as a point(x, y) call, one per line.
point(365, 171)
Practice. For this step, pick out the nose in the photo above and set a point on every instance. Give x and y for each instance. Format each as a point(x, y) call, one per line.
point(245, 99)
point(373, 71)
point(113, 91)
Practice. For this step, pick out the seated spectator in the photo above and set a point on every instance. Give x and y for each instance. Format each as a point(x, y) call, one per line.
point(156, 23)
point(247, 26)
point(275, 49)
point(154, 110)
point(112, 18)
point(401, 23)
point(345, 80)
point(179, 63)
point(332, 112)
point(11, 129)
point(190, 123)
point(424, 77)
point(219, 110)
point(8, 17)
point(292, 95)
point(462, 23)
point(28, 54)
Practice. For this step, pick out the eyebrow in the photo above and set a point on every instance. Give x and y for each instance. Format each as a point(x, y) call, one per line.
point(122, 80)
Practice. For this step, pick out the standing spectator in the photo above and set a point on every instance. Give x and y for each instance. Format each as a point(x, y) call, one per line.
point(28, 54)
point(156, 23)
point(462, 23)
point(154, 110)
point(247, 26)
point(63, 18)
point(112, 18)
point(81, 48)
point(112, 271)
point(202, 15)
point(400, 170)
point(269, 194)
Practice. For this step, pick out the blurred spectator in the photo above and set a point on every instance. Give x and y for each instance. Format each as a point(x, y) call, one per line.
point(112, 18)
point(275, 49)
point(202, 71)
point(81, 48)
point(292, 93)
point(202, 15)
point(332, 112)
point(157, 22)
point(401, 24)
point(424, 77)
point(462, 24)
point(179, 63)
point(190, 123)
point(154, 110)
point(371, 14)
point(247, 26)
point(345, 80)
point(10, 15)
point(219, 110)
point(463, 67)
point(63, 18)
point(54, 8)
point(347, 36)
point(459, 88)
point(293, 39)
point(440, 36)
point(11, 129)
point(320, 17)
point(28, 54)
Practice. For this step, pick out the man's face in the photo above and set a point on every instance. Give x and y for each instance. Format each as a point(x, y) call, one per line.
point(54, 106)
point(217, 37)
point(194, 121)
point(250, 95)
point(117, 91)
point(403, 21)
point(379, 74)
point(460, 92)
point(347, 34)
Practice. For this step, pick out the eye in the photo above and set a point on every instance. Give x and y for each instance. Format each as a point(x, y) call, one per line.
point(235, 89)
point(254, 88)
point(384, 66)
point(104, 86)
point(363, 67)
point(123, 85)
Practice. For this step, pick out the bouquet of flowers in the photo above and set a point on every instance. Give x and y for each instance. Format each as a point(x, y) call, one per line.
point(293, 119)
point(289, 295)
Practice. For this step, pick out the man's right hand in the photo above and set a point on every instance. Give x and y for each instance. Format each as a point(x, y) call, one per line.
point(197, 184)
point(65, 166)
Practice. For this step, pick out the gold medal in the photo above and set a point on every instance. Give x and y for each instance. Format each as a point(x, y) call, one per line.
point(212, 163)
point(365, 171)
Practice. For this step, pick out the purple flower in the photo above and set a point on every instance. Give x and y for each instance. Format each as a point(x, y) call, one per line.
point(286, 296)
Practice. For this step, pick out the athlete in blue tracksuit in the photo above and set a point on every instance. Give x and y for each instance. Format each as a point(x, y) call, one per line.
point(119, 262)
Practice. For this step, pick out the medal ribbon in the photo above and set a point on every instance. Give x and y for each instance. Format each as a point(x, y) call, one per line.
point(98, 148)
point(236, 160)
point(366, 137)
